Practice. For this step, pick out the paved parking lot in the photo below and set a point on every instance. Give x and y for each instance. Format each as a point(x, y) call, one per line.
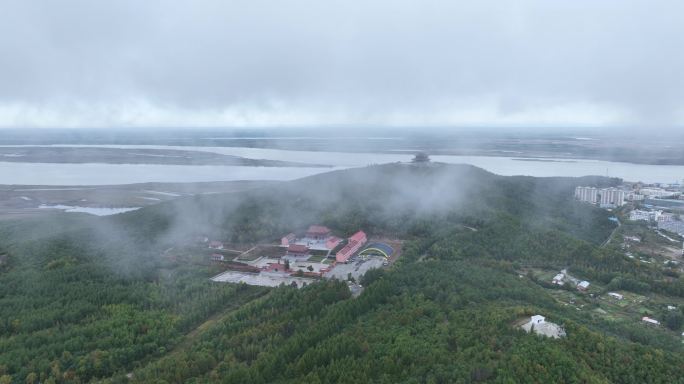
point(262, 279)
point(357, 268)
point(274, 279)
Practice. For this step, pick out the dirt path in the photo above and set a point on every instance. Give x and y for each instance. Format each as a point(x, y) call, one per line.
point(619, 224)
point(194, 334)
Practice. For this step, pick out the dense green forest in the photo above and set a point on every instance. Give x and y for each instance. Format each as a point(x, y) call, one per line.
point(95, 299)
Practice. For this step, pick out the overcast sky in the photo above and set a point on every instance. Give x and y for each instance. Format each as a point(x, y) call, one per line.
point(85, 63)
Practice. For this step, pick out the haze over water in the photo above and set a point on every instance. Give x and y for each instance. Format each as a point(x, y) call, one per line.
point(18, 173)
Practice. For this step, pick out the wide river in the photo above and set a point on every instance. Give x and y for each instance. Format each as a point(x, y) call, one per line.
point(102, 174)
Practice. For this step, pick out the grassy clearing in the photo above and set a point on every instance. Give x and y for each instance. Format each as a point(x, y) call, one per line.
point(317, 258)
point(249, 256)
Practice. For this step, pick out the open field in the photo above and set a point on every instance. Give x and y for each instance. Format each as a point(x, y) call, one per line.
point(258, 251)
point(652, 244)
point(18, 201)
point(319, 258)
point(76, 155)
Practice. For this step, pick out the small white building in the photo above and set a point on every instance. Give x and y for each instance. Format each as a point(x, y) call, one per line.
point(616, 295)
point(648, 320)
point(583, 285)
point(558, 279)
point(671, 307)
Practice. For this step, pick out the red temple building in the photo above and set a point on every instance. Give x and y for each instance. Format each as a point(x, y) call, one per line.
point(288, 239)
point(318, 232)
point(332, 242)
point(297, 250)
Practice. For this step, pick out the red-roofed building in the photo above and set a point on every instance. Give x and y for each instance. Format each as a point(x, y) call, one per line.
point(297, 250)
point(288, 239)
point(332, 242)
point(359, 236)
point(274, 267)
point(318, 232)
point(356, 241)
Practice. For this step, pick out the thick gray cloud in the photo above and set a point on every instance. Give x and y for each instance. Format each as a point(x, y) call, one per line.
point(386, 62)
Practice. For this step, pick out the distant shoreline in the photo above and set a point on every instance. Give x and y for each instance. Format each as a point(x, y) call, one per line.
point(545, 160)
point(85, 155)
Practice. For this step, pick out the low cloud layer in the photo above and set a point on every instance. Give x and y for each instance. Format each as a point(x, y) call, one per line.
point(80, 63)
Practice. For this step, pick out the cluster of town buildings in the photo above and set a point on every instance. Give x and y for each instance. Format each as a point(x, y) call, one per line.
point(667, 221)
point(654, 198)
point(669, 192)
point(617, 196)
point(648, 215)
point(676, 226)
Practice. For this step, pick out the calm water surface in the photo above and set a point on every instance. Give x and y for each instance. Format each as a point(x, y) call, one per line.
point(103, 174)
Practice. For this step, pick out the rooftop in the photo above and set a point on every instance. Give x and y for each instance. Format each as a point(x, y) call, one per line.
point(297, 248)
point(318, 229)
point(358, 236)
point(647, 319)
point(378, 248)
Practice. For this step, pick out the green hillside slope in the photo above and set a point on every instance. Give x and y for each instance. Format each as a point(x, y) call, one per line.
point(89, 299)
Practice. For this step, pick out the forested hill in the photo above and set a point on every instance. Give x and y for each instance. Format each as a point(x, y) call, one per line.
point(96, 300)
point(396, 199)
